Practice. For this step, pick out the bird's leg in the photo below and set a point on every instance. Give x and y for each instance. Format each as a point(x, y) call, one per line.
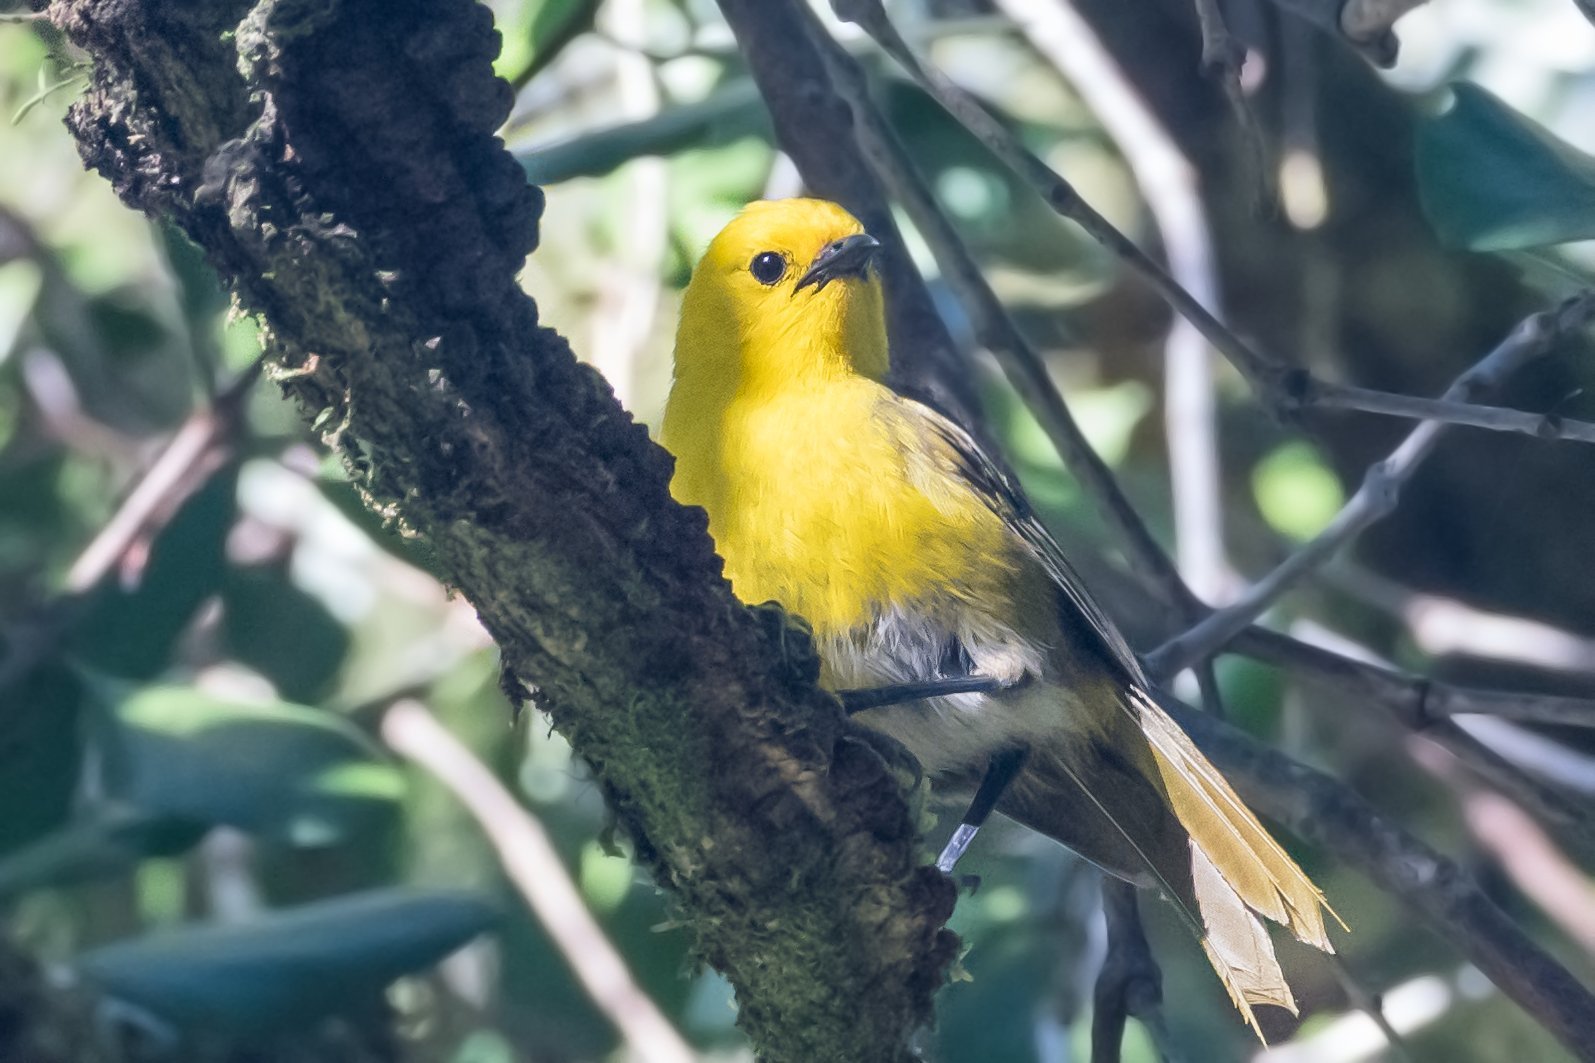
point(897, 693)
point(1000, 771)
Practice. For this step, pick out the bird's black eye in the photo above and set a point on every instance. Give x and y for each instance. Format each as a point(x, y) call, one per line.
point(767, 267)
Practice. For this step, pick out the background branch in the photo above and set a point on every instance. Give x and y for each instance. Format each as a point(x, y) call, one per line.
point(530, 861)
point(1433, 888)
point(1329, 396)
point(1169, 186)
point(1536, 336)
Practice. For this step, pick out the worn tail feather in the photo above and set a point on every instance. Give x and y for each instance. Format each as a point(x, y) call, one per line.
point(1237, 943)
point(1241, 853)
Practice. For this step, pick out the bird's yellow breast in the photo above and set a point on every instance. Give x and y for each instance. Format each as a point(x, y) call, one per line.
point(812, 504)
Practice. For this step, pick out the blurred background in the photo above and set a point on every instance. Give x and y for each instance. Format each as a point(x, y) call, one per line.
point(209, 692)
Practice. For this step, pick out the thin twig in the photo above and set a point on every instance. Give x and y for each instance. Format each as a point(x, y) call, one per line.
point(181, 468)
point(994, 328)
point(1380, 490)
point(1570, 770)
point(1416, 701)
point(1267, 377)
point(533, 865)
point(1222, 58)
point(1442, 626)
point(1168, 186)
point(1129, 983)
point(1495, 418)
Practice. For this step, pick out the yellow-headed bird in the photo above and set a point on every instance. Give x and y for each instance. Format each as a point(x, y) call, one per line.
point(913, 556)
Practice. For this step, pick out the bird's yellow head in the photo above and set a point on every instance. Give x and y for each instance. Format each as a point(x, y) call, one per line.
point(785, 292)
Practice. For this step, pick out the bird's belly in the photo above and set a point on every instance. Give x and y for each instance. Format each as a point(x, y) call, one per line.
point(953, 735)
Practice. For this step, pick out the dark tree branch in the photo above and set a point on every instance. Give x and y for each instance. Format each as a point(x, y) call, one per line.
point(337, 163)
point(1425, 707)
point(1130, 983)
point(1433, 887)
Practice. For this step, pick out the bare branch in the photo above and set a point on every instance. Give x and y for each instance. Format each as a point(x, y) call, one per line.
point(534, 867)
point(1168, 185)
point(1416, 701)
point(199, 448)
point(1495, 418)
point(1530, 858)
point(1408, 699)
point(1266, 376)
point(1380, 490)
point(1222, 58)
point(1129, 983)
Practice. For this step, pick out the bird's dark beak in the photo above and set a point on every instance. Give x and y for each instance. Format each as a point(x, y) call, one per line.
point(848, 257)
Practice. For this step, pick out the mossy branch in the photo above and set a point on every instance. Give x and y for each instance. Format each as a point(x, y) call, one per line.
point(337, 163)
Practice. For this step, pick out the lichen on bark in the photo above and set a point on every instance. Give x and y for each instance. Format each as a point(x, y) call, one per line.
point(337, 162)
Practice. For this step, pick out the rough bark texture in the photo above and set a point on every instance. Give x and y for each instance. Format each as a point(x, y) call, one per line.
point(337, 163)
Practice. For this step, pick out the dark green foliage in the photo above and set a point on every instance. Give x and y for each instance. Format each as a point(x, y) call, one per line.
point(1493, 179)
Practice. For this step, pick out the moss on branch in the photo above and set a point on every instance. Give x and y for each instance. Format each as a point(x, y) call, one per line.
point(337, 163)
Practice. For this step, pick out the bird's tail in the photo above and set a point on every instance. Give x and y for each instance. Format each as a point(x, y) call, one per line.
point(1138, 799)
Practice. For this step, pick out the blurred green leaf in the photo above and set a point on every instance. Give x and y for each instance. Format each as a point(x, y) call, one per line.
point(130, 633)
point(281, 770)
point(485, 1046)
point(104, 845)
point(727, 114)
point(1296, 491)
point(281, 631)
point(541, 32)
point(1493, 180)
point(40, 751)
point(287, 967)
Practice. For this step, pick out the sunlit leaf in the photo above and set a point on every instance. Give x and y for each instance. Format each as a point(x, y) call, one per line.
point(1296, 491)
point(1491, 179)
point(290, 966)
point(279, 769)
point(537, 38)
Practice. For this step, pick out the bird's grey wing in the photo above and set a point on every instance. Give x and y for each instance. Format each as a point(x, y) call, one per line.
point(955, 451)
